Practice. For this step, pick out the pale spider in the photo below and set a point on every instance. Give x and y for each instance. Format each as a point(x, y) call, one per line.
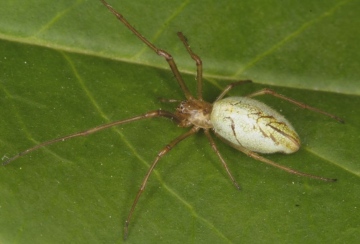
point(244, 123)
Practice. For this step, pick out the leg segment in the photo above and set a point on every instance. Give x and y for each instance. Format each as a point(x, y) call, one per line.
point(158, 51)
point(272, 163)
point(289, 170)
point(198, 65)
point(151, 114)
point(165, 150)
point(231, 86)
point(213, 146)
point(301, 105)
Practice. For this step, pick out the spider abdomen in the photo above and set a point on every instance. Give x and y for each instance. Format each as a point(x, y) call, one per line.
point(253, 125)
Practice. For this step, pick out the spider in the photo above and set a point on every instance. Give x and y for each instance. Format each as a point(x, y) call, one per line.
point(242, 122)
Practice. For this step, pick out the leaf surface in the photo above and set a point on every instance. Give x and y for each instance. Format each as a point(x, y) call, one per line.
point(70, 65)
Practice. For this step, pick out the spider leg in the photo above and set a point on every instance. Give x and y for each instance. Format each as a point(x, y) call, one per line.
point(198, 65)
point(165, 150)
point(158, 51)
point(151, 114)
point(272, 163)
point(301, 105)
point(231, 86)
point(214, 147)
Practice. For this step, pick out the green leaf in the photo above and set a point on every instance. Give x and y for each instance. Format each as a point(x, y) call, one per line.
point(70, 65)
